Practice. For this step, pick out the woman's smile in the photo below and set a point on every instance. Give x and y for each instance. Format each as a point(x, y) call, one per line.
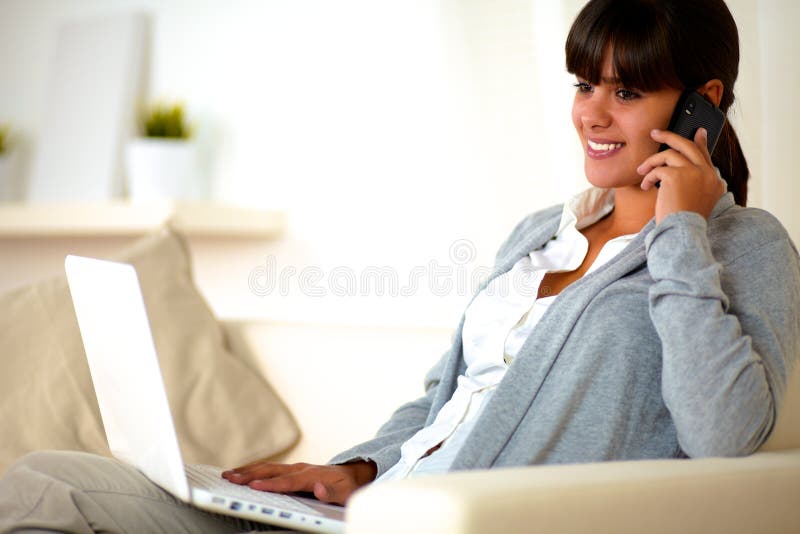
point(602, 148)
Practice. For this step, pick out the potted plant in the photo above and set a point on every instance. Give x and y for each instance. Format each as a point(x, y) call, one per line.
point(9, 180)
point(163, 163)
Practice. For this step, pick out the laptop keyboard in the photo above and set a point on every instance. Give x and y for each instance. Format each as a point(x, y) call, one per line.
point(209, 478)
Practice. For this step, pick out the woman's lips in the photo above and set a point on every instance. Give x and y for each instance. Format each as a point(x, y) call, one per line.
point(601, 149)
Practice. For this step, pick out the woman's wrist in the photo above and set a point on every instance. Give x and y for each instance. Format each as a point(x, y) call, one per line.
point(362, 471)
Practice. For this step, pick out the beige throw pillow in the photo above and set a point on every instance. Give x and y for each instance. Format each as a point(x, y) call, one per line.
point(225, 413)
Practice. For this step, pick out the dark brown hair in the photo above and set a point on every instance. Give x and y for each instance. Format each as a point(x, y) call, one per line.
point(665, 43)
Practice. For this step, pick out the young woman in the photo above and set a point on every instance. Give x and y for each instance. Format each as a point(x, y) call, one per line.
point(646, 322)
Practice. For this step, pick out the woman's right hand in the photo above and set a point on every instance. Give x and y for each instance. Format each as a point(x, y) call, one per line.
point(328, 483)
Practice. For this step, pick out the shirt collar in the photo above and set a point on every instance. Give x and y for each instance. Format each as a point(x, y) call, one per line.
point(586, 208)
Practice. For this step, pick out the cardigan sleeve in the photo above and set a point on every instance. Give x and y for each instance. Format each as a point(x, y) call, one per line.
point(730, 333)
point(407, 420)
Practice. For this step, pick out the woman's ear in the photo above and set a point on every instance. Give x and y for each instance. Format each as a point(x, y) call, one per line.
point(712, 91)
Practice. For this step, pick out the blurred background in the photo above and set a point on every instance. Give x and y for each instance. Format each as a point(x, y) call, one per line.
point(401, 138)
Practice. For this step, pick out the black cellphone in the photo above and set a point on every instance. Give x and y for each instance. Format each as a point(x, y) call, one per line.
point(692, 112)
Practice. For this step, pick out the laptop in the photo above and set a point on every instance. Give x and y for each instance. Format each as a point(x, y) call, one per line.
point(135, 411)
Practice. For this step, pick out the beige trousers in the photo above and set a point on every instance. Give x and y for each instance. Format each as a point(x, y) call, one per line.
point(84, 493)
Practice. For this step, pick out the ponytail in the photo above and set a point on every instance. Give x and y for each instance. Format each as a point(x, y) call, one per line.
point(729, 158)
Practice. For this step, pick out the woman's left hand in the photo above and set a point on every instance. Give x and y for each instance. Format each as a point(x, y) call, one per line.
point(688, 179)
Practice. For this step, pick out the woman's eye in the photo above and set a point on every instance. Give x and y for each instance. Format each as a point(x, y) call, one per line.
point(582, 87)
point(625, 94)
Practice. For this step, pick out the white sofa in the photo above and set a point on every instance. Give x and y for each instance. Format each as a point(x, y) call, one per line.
point(760, 493)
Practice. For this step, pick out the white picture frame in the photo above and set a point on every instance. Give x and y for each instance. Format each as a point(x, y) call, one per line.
point(95, 88)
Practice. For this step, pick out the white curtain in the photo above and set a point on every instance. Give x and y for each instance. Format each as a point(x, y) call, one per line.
point(771, 77)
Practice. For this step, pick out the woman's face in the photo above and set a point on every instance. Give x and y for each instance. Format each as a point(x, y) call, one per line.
point(614, 122)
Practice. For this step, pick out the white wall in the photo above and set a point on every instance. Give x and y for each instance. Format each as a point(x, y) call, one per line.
point(780, 77)
point(405, 135)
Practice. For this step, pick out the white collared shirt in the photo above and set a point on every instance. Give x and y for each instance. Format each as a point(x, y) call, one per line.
point(497, 323)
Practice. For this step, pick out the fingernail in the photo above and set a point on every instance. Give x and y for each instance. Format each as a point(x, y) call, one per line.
point(655, 131)
point(704, 133)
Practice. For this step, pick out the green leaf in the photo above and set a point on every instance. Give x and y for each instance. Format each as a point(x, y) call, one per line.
point(4, 129)
point(166, 121)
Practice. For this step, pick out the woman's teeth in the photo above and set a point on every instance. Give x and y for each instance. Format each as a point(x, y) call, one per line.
point(604, 147)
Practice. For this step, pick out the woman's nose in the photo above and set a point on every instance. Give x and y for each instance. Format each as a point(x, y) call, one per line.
point(594, 114)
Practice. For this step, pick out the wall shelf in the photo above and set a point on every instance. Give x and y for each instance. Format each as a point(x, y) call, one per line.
point(121, 218)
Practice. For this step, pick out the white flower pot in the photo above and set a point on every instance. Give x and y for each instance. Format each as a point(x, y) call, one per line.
point(160, 169)
point(10, 180)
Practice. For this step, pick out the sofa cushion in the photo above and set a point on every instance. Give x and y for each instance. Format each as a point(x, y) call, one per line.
point(225, 413)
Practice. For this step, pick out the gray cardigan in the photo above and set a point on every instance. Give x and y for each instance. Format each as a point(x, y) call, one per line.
point(680, 345)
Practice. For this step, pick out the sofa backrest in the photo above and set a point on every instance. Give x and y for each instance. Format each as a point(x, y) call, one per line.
point(786, 434)
point(340, 382)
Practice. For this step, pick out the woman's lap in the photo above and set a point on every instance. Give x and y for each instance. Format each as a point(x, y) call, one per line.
point(80, 492)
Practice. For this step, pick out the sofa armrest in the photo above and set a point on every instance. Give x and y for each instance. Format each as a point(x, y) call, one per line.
point(727, 495)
